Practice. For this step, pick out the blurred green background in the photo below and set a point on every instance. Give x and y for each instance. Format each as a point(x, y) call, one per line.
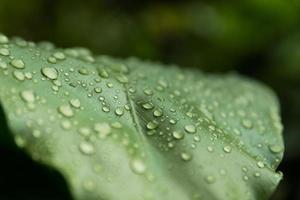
point(256, 38)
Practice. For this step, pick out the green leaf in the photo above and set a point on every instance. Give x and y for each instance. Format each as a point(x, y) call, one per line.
point(127, 129)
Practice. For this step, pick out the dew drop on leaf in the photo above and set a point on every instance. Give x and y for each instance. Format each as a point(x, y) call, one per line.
point(157, 113)
point(227, 149)
point(186, 156)
point(210, 179)
point(190, 128)
point(28, 96)
point(50, 72)
point(75, 103)
point(178, 135)
point(86, 148)
point(260, 164)
point(138, 166)
point(17, 63)
point(275, 149)
point(152, 125)
point(65, 110)
point(119, 111)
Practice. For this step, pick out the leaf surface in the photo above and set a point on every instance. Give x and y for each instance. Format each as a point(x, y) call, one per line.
point(127, 129)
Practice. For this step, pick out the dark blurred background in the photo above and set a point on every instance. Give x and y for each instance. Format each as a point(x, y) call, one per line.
point(256, 38)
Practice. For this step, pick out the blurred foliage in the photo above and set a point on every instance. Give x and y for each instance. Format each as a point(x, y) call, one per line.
point(258, 38)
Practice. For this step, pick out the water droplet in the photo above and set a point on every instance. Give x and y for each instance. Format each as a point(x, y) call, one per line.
point(19, 75)
point(110, 85)
point(84, 131)
point(66, 125)
point(105, 109)
point(152, 125)
point(103, 73)
point(75, 103)
point(257, 174)
point(196, 138)
point(59, 55)
point(157, 113)
point(275, 148)
point(172, 121)
point(103, 129)
point(247, 123)
point(148, 91)
point(148, 106)
point(17, 63)
point(28, 96)
point(138, 166)
point(186, 156)
point(227, 149)
point(190, 128)
point(4, 52)
point(65, 110)
point(50, 72)
point(98, 90)
point(178, 135)
point(3, 65)
point(210, 179)
point(89, 185)
point(86, 148)
point(119, 111)
point(83, 71)
point(260, 164)
point(3, 39)
point(210, 149)
point(122, 78)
